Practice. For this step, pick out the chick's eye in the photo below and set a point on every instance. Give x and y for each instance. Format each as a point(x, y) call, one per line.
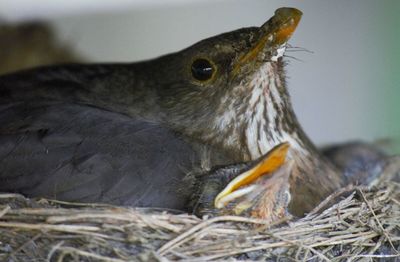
point(202, 69)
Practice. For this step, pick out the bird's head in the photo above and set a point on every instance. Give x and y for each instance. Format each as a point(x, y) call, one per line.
point(221, 88)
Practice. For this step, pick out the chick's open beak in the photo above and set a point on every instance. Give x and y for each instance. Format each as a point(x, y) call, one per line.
point(244, 183)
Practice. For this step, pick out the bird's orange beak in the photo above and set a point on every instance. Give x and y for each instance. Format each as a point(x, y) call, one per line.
point(274, 33)
point(242, 184)
point(286, 20)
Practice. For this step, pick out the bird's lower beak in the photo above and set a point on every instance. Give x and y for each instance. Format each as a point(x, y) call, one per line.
point(245, 182)
point(274, 33)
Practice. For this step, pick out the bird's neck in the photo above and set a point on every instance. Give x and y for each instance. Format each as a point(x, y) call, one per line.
point(258, 116)
point(262, 118)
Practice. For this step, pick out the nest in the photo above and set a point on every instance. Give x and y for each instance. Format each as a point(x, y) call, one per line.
point(364, 224)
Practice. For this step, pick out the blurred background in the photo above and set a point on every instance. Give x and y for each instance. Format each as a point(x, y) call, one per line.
point(345, 87)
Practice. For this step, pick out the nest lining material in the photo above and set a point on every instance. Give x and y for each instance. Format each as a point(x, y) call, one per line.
point(363, 225)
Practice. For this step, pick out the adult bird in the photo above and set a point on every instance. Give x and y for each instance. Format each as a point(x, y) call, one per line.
point(131, 133)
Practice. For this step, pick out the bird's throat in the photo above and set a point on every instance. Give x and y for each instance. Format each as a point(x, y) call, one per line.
point(259, 115)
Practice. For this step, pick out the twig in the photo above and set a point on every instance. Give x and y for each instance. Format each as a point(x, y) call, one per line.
point(88, 254)
point(4, 211)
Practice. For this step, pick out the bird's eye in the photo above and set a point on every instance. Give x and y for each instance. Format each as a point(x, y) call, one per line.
point(202, 69)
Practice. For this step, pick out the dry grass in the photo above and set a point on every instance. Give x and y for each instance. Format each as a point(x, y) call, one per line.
point(365, 225)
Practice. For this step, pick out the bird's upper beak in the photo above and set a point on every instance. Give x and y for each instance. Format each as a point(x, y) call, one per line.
point(273, 34)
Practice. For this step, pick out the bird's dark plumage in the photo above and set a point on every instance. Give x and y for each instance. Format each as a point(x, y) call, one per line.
point(81, 153)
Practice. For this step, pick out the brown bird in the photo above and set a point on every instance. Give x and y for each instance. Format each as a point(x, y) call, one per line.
point(134, 134)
